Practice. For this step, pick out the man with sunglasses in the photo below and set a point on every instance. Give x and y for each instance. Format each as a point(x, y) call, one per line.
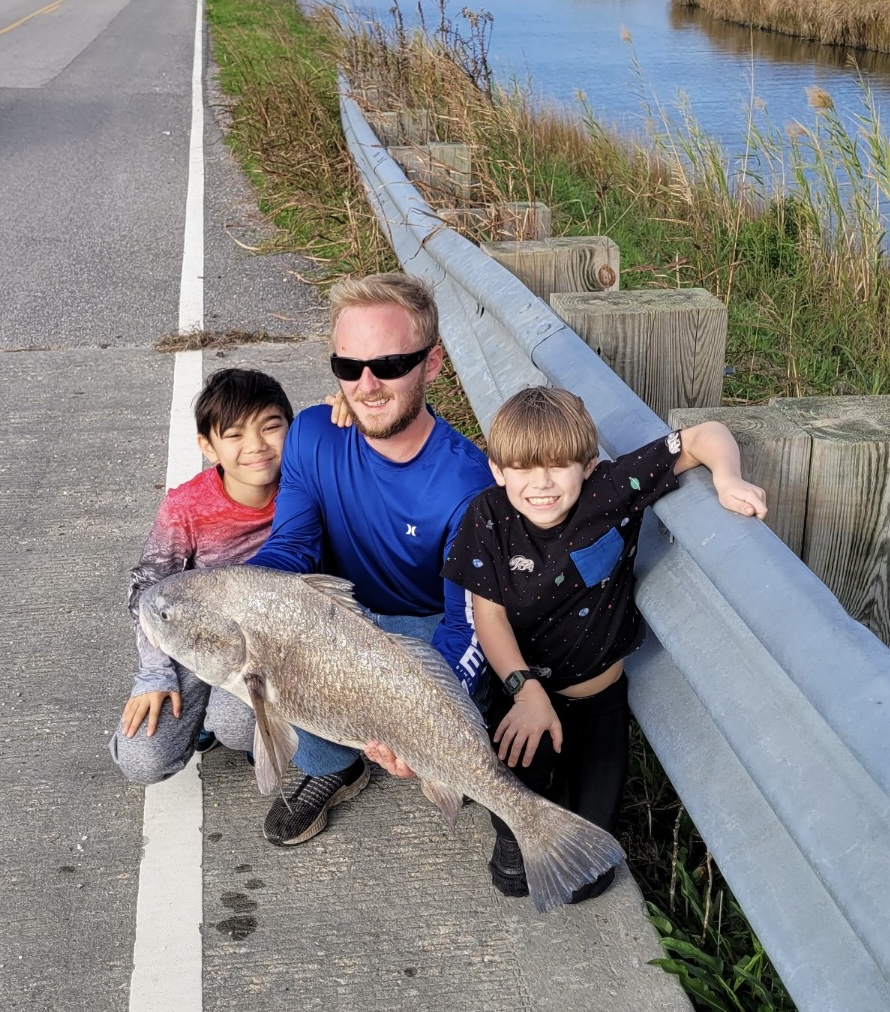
point(377, 502)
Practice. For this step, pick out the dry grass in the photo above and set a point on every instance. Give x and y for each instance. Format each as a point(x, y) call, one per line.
point(285, 129)
point(859, 24)
point(197, 340)
point(802, 272)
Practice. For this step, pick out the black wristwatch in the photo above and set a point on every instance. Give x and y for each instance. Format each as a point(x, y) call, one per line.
point(516, 679)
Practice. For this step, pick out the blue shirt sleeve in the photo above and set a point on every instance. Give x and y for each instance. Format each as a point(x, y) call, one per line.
point(295, 543)
point(455, 637)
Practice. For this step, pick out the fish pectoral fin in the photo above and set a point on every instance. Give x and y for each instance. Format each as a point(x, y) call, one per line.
point(274, 740)
point(448, 800)
point(271, 761)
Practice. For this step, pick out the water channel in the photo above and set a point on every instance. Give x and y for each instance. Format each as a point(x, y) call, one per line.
point(566, 47)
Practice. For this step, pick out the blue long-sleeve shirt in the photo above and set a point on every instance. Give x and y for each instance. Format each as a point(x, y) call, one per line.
point(344, 509)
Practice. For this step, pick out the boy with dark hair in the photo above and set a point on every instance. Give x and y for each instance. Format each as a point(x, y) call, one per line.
point(219, 517)
point(548, 555)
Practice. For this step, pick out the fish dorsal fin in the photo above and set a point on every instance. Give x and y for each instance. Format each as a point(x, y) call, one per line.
point(440, 671)
point(335, 587)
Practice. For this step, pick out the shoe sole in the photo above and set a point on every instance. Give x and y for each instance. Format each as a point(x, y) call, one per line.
point(346, 792)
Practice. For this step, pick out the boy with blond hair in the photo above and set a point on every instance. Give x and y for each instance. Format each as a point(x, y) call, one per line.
point(548, 557)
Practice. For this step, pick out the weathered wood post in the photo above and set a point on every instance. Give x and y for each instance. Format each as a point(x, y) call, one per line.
point(523, 219)
point(401, 126)
point(440, 170)
point(847, 535)
point(493, 222)
point(560, 264)
point(775, 454)
point(667, 345)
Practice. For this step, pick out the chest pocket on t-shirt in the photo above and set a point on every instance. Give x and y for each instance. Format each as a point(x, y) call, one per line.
point(596, 562)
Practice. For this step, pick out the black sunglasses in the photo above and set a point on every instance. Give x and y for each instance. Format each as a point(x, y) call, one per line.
point(387, 367)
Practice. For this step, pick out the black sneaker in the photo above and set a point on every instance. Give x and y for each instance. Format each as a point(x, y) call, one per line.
point(310, 802)
point(507, 867)
point(207, 741)
point(595, 888)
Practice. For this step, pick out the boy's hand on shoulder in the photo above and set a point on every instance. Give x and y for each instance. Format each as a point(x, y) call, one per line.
point(149, 704)
point(531, 716)
point(741, 496)
point(341, 416)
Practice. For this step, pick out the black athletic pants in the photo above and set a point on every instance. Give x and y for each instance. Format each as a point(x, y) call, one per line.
point(588, 775)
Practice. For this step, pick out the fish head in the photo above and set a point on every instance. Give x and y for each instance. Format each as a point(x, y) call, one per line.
point(186, 616)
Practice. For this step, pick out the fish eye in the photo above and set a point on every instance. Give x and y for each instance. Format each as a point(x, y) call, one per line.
point(165, 615)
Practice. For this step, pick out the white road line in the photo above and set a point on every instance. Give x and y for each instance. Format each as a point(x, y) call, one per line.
point(167, 953)
point(191, 287)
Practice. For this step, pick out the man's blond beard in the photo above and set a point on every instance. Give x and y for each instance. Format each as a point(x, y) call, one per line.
point(413, 407)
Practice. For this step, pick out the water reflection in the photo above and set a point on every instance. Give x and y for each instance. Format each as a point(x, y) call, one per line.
point(737, 40)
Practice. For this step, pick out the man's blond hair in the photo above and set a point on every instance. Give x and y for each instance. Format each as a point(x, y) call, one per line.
point(542, 427)
point(397, 289)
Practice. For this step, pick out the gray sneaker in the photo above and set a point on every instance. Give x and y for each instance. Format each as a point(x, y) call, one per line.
point(310, 802)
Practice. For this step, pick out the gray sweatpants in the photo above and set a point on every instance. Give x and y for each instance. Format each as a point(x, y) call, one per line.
point(145, 760)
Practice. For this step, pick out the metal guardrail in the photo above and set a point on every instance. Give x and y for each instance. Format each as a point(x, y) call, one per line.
point(767, 705)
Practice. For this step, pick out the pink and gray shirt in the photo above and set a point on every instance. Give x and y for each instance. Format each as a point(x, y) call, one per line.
point(198, 526)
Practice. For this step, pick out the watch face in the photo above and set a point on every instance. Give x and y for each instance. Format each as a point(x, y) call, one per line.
point(514, 682)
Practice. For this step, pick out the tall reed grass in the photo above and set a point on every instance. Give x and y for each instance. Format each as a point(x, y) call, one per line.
point(790, 234)
point(860, 24)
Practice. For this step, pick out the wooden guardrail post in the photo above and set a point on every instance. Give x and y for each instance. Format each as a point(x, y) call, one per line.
point(523, 219)
point(667, 345)
point(847, 535)
point(441, 170)
point(825, 465)
point(560, 264)
point(401, 126)
point(494, 222)
point(775, 455)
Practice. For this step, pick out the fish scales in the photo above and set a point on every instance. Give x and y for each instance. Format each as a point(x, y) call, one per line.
point(301, 651)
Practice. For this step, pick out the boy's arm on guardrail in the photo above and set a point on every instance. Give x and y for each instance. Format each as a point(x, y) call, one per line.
point(713, 445)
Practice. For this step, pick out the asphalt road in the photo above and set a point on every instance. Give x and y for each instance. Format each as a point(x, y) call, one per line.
point(386, 909)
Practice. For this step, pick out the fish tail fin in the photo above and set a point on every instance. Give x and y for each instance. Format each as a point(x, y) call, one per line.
point(562, 852)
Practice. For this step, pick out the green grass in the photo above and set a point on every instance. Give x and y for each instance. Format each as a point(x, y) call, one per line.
point(279, 70)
